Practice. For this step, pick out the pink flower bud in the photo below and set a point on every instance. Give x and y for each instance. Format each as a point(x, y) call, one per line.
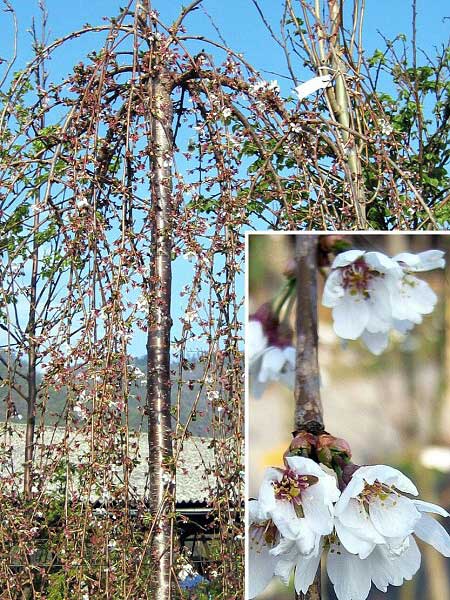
point(301, 445)
point(327, 445)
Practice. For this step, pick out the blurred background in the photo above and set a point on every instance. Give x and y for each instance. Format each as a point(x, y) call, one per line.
point(392, 409)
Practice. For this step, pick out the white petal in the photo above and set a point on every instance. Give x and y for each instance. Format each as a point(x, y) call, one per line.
point(350, 316)
point(388, 475)
point(387, 570)
point(277, 364)
point(333, 289)
point(430, 507)
point(286, 553)
point(431, 259)
point(294, 528)
point(317, 513)
point(380, 318)
point(397, 545)
point(419, 294)
point(287, 374)
point(313, 85)
point(375, 342)
point(261, 564)
point(305, 466)
point(351, 541)
point(256, 387)
point(424, 261)
point(353, 489)
point(306, 539)
point(347, 258)
point(290, 354)
point(284, 566)
point(285, 547)
point(254, 512)
point(305, 571)
point(380, 262)
point(394, 516)
point(349, 574)
point(255, 340)
point(357, 519)
point(381, 571)
point(403, 326)
point(291, 526)
point(271, 365)
point(354, 515)
point(432, 532)
point(412, 299)
point(287, 378)
point(266, 498)
point(409, 259)
point(407, 564)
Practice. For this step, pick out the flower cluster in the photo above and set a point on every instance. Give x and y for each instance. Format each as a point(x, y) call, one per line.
point(363, 523)
point(265, 86)
point(372, 294)
point(271, 356)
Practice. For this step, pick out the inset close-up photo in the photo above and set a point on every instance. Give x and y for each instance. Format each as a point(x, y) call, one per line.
point(347, 354)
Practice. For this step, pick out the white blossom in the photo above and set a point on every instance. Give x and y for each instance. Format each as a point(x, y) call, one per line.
point(82, 203)
point(293, 513)
point(262, 537)
point(372, 510)
point(396, 559)
point(190, 255)
point(367, 533)
point(299, 500)
point(352, 577)
point(295, 127)
point(256, 340)
point(136, 372)
point(79, 411)
point(142, 304)
point(371, 294)
point(267, 361)
point(265, 86)
point(190, 315)
point(385, 127)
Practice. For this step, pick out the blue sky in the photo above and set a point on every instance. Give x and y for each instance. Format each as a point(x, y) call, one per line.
point(238, 22)
point(243, 31)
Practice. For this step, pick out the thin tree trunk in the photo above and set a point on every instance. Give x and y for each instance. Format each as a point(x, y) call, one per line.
point(158, 343)
point(308, 407)
point(31, 378)
point(343, 114)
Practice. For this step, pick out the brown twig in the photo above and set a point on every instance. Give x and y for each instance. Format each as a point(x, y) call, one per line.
point(308, 406)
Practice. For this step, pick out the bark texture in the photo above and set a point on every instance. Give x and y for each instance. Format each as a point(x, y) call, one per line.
point(343, 116)
point(158, 344)
point(308, 407)
point(31, 376)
